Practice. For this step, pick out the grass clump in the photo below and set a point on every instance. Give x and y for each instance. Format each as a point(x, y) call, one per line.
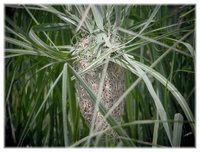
point(100, 75)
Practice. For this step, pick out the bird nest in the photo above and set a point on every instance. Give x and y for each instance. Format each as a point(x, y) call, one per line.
point(113, 88)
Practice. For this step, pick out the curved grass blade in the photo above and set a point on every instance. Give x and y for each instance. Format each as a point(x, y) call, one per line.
point(180, 99)
point(139, 79)
point(187, 45)
point(18, 43)
point(150, 19)
point(146, 24)
point(22, 37)
point(59, 14)
point(44, 48)
point(152, 40)
point(34, 19)
point(158, 103)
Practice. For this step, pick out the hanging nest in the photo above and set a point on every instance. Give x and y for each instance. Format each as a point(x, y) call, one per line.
point(113, 88)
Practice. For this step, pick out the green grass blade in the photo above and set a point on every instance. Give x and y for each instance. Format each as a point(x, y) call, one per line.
point(34, 19)
point(51, 27)
point(59, 14)
point(64, 104)
point(31, 120)
point(117, 14)
point(9, 106)
point(45, 49)
point(187, 45)
point(97, 17)
point(155, 131)
point(150, 19)
point(180, 99)
point(177, 131)
point(146, 24)
point(83, 18)
point(18, 43)
point(21, 51)
point(158, 103)
point(22, 37)
point(152, 40)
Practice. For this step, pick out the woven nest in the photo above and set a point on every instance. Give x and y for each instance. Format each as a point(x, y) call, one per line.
point(113, 88)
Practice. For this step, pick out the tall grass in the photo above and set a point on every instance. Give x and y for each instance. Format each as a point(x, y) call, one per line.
point(154, 44)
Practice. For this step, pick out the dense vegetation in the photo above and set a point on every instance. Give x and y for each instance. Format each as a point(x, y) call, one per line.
point(154, 44)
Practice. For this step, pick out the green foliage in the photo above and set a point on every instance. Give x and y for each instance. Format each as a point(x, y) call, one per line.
point(154, 44)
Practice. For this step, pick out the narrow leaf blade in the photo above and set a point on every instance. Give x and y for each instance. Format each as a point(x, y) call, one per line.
point(97, 17)
point(177, 132)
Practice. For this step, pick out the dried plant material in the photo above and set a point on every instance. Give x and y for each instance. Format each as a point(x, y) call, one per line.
point(113, 88)
point(113, 85)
